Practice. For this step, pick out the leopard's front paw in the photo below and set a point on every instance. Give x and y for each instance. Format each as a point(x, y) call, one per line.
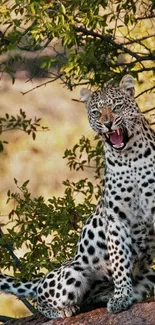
point(115, 305)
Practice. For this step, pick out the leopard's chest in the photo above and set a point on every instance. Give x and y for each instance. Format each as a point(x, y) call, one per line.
point(130, 187)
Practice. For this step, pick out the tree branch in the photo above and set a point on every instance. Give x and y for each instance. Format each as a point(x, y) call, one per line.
point(5, 319)
point(146, 69)
point(149, 110)
point(145, 17)
point(139, 39)
point(119, 46)
point(18, 265)
point(145, 91)
point(43, 84)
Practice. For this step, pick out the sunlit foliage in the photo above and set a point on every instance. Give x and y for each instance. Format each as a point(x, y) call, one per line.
point(90, 42)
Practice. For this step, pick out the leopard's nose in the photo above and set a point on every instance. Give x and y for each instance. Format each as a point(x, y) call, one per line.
point(108, 124)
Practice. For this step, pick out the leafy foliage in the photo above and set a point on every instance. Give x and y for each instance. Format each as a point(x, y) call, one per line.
point(19, 122)
point(50, 230)
point(91, 42)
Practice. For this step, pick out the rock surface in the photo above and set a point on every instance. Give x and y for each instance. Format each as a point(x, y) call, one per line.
point(138, 314)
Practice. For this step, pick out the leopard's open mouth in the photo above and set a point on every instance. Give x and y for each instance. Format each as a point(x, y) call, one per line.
point(117, 138)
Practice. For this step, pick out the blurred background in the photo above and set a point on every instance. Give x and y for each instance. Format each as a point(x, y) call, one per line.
point(40, 160)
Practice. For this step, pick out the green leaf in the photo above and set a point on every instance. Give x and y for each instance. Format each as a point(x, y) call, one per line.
point(25, 183)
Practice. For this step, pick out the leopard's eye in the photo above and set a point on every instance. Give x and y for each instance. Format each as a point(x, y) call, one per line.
point(117, 107)
point(97, 114)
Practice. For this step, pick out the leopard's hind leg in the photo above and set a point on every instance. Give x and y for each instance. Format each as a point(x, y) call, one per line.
point(60, 293)
point(143, 284)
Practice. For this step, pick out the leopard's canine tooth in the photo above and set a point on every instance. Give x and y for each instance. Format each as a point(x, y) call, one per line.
point(118, 131)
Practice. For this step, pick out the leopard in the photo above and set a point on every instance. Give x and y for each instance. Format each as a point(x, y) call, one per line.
point(115, 252)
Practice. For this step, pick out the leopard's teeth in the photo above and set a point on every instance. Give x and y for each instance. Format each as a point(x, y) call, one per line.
point(118, 146)
point(118, 131)
point(114, 131)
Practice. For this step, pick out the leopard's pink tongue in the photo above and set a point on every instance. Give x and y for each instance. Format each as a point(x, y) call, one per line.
point(116, 138)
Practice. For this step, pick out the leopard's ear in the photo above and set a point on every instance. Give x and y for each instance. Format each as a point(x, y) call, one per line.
point(127, 85)
point(85, 94)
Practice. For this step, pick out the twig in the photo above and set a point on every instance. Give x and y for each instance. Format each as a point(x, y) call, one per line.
point(145, 91)
point(43, 84)
point(146, 17)
point(28, 305)
point(115, 26)
point(5, 319)
point(20, 129)
point(149, 110)
point(146, 69)
point(77, 100)
point(80, 83)
point(139, 39)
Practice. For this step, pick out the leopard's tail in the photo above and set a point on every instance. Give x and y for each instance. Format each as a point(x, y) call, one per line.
point(9, 284)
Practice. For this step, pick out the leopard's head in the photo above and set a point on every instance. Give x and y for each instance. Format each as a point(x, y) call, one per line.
point(113, 112)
